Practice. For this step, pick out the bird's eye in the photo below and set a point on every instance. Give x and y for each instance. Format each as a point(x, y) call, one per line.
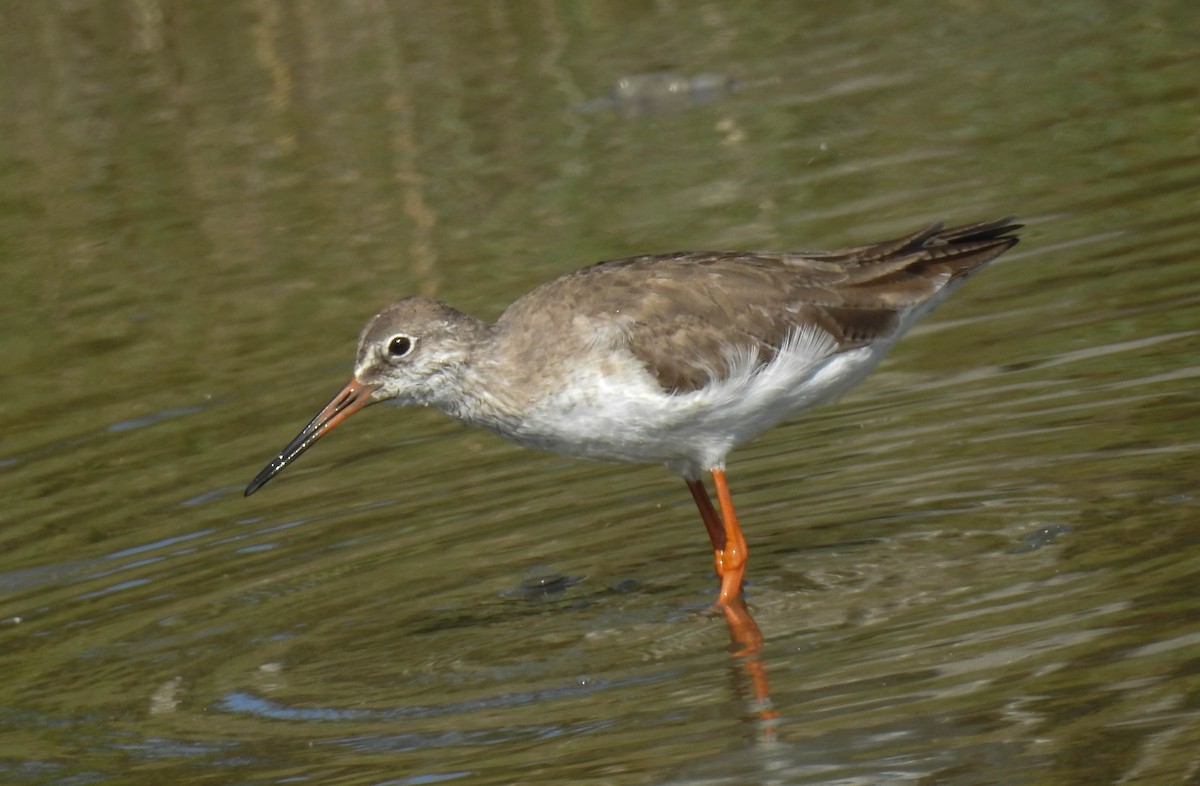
point(399, 346)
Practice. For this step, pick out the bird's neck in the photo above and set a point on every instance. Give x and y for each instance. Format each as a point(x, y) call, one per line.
point(474, 390)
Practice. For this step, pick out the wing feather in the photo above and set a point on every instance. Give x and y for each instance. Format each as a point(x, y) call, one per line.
point(691, 317)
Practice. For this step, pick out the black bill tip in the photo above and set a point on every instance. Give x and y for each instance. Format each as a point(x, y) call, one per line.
point(349, 400)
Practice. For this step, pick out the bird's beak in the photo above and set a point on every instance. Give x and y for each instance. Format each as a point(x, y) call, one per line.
point(351, 399)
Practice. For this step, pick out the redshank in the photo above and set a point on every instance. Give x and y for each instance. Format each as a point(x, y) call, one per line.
point(673, 359)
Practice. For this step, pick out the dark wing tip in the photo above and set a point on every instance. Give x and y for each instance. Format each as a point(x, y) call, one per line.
point(1000, 229)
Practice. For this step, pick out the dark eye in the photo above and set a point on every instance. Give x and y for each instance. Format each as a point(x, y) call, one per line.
point(399, 346)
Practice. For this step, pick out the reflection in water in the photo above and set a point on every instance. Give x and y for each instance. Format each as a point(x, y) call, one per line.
point(246, 702)
point(747, 641)
point(665, 91)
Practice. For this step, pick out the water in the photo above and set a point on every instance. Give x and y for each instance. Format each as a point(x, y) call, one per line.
point(978, 568)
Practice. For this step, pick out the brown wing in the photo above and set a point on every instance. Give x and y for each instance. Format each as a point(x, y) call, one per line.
point(681, 313)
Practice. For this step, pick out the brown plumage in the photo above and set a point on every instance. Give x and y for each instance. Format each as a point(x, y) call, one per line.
point(684, 312)
point(676, 359)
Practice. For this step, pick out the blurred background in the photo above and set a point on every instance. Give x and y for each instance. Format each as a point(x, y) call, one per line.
point(981, 567)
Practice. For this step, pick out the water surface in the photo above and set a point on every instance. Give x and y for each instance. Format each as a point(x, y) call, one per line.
point(981, 567)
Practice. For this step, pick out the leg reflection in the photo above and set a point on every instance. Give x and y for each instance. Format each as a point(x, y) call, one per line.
point(747, 641)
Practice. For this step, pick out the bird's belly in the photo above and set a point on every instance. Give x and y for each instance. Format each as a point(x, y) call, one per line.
point(629, 418)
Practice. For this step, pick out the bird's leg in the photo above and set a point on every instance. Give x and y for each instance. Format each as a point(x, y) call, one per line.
point(731, 558)
point(744, 632)
point(729, 545)
point(712, 521)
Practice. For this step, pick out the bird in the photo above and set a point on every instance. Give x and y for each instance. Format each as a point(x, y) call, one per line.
point(672, 359)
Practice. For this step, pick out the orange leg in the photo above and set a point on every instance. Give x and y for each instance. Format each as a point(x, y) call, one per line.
point(712, 522)
point(729, 545)
point(744, 632)
point(731, 558)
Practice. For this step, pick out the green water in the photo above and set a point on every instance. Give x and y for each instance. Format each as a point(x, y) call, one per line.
point(980, 568)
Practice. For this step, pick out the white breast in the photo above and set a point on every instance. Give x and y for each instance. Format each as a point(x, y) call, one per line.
point(616, 411)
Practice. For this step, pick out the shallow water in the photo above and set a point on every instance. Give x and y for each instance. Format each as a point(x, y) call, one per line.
point(981, 567)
